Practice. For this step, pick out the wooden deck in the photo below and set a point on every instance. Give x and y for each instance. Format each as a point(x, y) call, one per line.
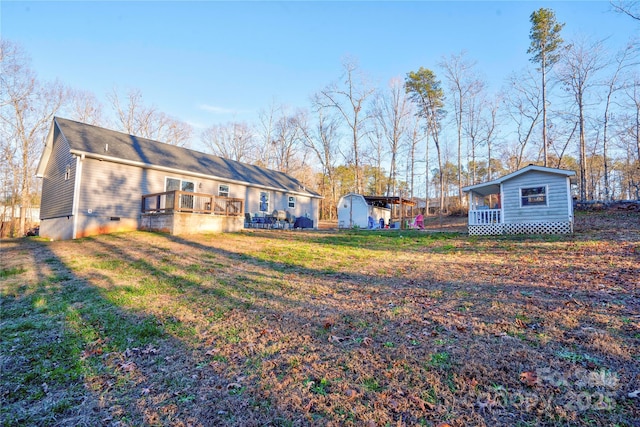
point(197, 203)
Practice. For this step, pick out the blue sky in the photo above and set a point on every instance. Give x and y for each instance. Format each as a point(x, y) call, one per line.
point(209, 62)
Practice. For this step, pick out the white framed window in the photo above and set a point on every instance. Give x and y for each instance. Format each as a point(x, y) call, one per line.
point(223, 190)
point(67, 173)
point(533, 196)
point(292, 202)
point(264, 201)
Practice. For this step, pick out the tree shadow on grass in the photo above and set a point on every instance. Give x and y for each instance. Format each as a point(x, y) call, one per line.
point(245, 340)
point(72, 357)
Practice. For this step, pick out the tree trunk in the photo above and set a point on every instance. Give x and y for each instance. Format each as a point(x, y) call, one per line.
point(544, 110)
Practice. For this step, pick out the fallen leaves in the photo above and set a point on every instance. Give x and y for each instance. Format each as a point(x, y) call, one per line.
point(212, 352)
point(366, 342)
point(336, 339)
point(422, 404)
point(328, 324)
point(529, 378)
point(127, 366)
point(351, 394)
point(520, 323)
point(474, 309)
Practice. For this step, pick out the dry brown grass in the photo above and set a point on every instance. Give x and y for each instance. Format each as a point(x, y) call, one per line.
point(337, 328)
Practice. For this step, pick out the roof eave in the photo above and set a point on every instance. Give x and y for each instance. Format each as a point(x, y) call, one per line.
point(499, 181)
point(46, 153)
point(185, 172)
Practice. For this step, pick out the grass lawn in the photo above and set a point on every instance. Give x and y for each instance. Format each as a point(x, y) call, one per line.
point(366, 328)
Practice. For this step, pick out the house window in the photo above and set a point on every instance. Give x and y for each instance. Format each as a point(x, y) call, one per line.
point(223, 190)
point(264, 201)
point(67, 173)
point(179, 184)
point(292, 202)
point(186, 200)
point(533, 196)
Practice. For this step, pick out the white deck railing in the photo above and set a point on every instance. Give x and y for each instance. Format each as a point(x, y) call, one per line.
point(485, 216)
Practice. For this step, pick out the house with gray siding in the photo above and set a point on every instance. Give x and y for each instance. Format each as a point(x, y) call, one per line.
point(96, 180)
point(532, 200)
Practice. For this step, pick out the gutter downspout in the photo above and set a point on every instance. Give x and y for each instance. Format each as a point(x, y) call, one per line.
point(76, 195)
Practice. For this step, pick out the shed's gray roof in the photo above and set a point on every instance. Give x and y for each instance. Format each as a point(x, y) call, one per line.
point(493, 187)
point(97, 142)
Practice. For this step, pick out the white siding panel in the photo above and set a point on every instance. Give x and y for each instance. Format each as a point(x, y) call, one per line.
point(112, 189)
point(557, 208)
point(116, 190)
point(57, 192)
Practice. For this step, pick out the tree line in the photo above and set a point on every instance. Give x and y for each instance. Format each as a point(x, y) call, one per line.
point(425, 135)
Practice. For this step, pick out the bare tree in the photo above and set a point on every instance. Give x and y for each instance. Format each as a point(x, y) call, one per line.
point(286, 141)
point(582, 60)
point(174, 131)
point(136, 118)
point(563, 134)
point(481, 128)
point(266, 133)
point(414, 137)
point(633, 95)
point(524, 108)
point(348, 98)
point(234, 141)
point(280, 139)
point(631, 135)
point(126, 114)
point(629, 8)
point(623, 60)
point(464, 86)
point(392, 111)
point(85, 108)
point(373, 174)
point(27, 108)
point(322, 139)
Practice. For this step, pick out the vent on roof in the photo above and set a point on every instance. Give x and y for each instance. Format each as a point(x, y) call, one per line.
point(106, 147)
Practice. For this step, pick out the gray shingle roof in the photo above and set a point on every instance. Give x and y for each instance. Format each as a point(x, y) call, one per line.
point(95, 141)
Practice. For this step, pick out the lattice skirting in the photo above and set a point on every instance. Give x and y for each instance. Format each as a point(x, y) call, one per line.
point(485, 229)
point(524, 228)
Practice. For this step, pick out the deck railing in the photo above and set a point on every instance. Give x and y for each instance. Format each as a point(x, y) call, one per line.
point(485, 216)
point(184, 201)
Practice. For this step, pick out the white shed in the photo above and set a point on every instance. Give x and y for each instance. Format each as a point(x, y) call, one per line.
point(532, 200)
point(354, 210)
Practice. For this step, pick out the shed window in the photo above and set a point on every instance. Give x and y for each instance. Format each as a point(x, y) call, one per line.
point(264, 201)
point(533, 196)
point(292, 202)
point(223, 190)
